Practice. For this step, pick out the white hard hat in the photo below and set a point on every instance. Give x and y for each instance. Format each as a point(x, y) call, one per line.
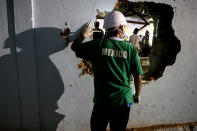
point(114, 19)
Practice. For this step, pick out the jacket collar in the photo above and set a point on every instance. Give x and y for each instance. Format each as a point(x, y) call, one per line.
point(116, 38)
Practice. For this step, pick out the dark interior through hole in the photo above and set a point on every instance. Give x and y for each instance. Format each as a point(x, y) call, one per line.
point(164, 45)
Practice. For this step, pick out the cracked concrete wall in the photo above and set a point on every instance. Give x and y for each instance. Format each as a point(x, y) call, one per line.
point(51, 86)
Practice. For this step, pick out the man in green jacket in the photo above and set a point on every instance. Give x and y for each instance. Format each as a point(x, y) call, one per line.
point(114, 61)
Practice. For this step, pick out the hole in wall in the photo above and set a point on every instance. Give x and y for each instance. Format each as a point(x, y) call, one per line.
point(163, 46)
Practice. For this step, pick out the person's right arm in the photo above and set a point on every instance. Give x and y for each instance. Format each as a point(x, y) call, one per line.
point(138, 87)
point(137, 74)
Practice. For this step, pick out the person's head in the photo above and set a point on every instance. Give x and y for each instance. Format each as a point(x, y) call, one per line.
point(147, 32)
point(114, 23)
point(135, 31)
point(96, 24)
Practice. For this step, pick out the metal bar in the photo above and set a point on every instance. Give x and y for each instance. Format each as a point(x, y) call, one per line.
point(136, 22)
point(139, 15)
point(11, 32)
point(142, 27)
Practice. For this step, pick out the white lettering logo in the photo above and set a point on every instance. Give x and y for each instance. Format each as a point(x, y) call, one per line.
point(114, 53)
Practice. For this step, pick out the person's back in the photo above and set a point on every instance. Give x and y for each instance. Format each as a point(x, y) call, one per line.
point(113, 62)
point(145, 44)
point(145, 40)
point(112, 66)
point(97, 32)
point(135, 39)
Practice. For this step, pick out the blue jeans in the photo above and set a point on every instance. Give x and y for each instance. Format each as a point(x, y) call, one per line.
point(116, 116)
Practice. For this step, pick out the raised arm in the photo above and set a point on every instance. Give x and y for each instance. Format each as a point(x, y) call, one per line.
point(86, 31)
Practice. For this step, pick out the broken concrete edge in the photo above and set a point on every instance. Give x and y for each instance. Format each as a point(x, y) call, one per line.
point(165, 44)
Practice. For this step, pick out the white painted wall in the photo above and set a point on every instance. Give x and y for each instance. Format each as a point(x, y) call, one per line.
point(19, 101)
point(47, 74)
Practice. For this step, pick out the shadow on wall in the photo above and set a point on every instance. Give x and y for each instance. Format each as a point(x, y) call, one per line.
point(15, 101)
point(30, 84)
point(50, 84)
